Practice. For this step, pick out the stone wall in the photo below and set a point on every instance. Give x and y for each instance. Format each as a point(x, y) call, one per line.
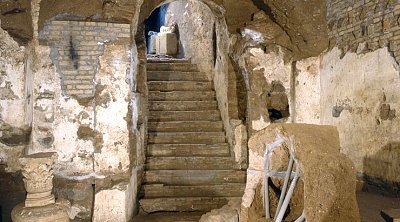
point(306, 97)
point(360, 96)
point(14, 130)
point(83, 108)
point(364, 25)
point(359, 81)
point(195, 22)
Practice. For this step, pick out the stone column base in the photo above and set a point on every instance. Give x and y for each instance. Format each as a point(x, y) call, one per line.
point(49, 213)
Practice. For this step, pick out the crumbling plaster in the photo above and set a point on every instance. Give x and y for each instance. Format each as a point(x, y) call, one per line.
point(12, 102)
point(359, 95)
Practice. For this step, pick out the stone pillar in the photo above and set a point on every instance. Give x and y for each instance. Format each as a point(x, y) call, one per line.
point(40, 204)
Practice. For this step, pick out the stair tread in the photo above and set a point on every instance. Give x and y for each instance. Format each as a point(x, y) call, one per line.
point(186, 137)
point(165, 86)
point(176, 76)
point(185, 126)
point(172, 66)
point(194, 177)
point(190, 163)
point(187, 150)
point(225, 190)
point(161, 60)
point(184, 204)
point(210, 115)
point(182, 96)
point(182, 105)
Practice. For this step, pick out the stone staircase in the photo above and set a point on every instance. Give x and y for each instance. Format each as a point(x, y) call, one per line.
point(189, 167)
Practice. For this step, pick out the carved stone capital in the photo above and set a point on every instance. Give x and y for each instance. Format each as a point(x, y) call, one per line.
point(37, 170)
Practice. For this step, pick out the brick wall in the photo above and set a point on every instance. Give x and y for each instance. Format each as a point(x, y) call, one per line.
point(76, 47)
point(364, 25)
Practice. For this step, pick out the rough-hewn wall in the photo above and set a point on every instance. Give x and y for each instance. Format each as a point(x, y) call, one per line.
point(14, 132)
point(360, 84)
point(195, 22)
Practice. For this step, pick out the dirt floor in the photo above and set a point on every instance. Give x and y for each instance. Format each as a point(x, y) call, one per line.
point(371, 204)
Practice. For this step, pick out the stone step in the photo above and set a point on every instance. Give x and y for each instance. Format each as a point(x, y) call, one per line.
point(167, 60)
point(208, 115)
point(190, 163)
point(187, 126)
point(182, 96)
point(165, 86)
point(187, 150)
point(176, 76)
point(194, 177)
point(182, 105)
point(187, 138)
point(168, 217)
point(188, 204)
point(167, 66)
point(225, 190)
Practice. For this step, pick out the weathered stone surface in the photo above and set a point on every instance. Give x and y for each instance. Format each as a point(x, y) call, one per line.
point(228, 213)
point(220, 190)
point(194, 177)
point(49, 213)
point(362, 88)
point(40, 203)
point(187, 150)
point(190, 163)
point(79, 193)
point(322, 166)
point(37, 170)
point(12, 65)
point(307, 106)
point(114, 204)
point(202, 204)
point(187, 126)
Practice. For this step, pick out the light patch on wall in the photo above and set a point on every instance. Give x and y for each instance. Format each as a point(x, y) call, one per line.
point(260, 124)
point(257, 37)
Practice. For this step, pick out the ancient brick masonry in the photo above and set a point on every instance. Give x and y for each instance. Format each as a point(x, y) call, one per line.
point(76, 47)
point(364, 25)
